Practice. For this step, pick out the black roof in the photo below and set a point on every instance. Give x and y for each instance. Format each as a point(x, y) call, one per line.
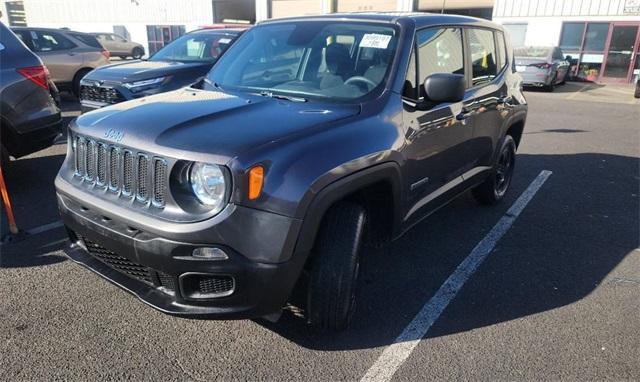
point(421, 19)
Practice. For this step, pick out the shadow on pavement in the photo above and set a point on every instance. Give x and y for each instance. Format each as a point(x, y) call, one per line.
point(576, 230)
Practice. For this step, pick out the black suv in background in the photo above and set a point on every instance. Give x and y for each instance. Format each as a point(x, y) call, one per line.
point(308, 137)
point(181, 63)
point(29, 117)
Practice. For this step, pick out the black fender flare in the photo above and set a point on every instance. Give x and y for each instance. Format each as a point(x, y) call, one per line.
point(337, 190)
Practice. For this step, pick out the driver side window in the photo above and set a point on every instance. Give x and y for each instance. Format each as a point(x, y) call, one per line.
point(440, 50)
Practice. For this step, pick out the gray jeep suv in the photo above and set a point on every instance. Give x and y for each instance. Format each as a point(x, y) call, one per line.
point(307, 138)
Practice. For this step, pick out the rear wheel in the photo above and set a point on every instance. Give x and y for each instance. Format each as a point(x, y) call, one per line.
point(336, 260)
point(137, 53)
point(495, 187)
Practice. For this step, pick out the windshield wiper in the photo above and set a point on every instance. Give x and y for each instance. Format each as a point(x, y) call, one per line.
point(269, 94)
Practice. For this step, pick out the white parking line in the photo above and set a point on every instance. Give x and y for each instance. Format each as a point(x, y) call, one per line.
point(44, 228)
point(397, 353)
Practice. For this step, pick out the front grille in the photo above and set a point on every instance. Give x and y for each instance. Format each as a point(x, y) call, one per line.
point(215, 285)
point(122, 170)
point(160, 181)
point(119, 263)
point(127, 172)
point(101, 172)
point(143, 165)
point(100, 94)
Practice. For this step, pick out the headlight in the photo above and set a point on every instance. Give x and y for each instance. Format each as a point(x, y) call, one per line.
point(139, 86)
point(208, 184)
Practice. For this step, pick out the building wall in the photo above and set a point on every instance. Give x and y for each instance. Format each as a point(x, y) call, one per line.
point(544, 18)
point(368, 5)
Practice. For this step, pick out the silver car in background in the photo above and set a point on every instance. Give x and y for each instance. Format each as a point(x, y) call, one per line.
point(120, 46)
point(541, 66)
point(68, 55)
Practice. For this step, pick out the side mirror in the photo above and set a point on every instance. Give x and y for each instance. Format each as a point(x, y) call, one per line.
point(568, 58)
point(445, 87)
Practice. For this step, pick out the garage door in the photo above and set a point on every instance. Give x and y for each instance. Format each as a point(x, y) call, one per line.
point(288, 8)
point(367, 5)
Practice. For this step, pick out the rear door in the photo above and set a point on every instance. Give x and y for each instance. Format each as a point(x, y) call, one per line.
point(57, 53)
point(486, 96)
point(436, 141)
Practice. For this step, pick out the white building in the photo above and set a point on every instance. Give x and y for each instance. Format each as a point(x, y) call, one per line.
point(601, 36)
point(152, 23)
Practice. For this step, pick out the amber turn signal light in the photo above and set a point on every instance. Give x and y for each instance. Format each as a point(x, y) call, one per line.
point(256, 177)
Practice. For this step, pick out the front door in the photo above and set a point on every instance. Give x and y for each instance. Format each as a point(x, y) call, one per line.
point(621, 52)
point(435, 138)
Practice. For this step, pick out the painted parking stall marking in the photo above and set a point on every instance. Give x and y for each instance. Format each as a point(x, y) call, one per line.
point(397, 353)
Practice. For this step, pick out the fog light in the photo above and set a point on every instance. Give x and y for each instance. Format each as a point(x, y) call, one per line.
point(210, 253)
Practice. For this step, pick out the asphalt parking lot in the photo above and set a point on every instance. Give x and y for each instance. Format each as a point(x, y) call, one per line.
point(557, 296)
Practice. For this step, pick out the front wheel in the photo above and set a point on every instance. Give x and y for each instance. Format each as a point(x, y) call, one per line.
point(495, 187)
point(336, 259)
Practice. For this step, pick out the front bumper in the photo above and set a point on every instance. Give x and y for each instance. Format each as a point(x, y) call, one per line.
point(162, 272)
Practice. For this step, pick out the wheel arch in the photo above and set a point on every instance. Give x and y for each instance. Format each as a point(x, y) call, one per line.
point(379, 180)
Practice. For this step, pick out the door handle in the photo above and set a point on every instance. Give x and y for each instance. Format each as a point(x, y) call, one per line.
point(504, 100)
point(71, 54)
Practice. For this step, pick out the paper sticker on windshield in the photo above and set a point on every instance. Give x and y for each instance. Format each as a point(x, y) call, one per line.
point(374, 40)
point(224, 41)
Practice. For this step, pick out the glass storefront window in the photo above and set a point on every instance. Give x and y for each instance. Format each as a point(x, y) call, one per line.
point(571, 37)
point(596, 36)
point(590, 66)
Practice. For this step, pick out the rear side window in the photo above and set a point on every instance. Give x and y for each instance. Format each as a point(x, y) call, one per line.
point(25, 37)
point(483, 56)
point(44, 41)
point(87, 39)
point(502, 51)
point(439, 51)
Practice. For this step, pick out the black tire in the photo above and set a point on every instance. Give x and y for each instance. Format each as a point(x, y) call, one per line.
point(552, 84)
point(495, 187)
point(636, 94)
point(334, 272)
point(123, 57)
point(137, 53)
point(76, 81)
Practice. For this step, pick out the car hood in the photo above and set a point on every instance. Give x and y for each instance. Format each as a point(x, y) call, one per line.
point(197, 124)
point(142, 70)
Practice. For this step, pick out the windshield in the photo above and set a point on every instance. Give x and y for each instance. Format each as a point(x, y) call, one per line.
point(198, 47)
point(537, 52)
point(320, 59)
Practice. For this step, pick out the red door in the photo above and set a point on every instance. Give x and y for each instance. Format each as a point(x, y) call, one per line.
point(620, 52)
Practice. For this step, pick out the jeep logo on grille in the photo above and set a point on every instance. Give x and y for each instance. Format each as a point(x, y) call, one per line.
point(114, 135)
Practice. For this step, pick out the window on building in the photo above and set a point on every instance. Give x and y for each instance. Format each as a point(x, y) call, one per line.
point(596, 36)
point(517, 33)
point(483, 56)
point(571, 37)
point(439, 51)
point(160, 35)
point(16, 14)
